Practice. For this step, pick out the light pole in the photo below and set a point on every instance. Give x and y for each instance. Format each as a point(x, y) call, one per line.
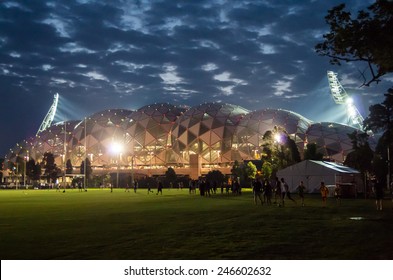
point(116, 149)
point(132, 170)
point(65, 153)
point(17, 175)
point(84, 164)
point(24, 171)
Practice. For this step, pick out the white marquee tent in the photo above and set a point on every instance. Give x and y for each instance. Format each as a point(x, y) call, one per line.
point(313, 172)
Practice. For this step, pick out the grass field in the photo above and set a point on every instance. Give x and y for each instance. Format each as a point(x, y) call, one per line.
point(42, 224)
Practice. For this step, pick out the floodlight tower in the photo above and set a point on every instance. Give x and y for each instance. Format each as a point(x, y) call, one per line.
point(50, 115)
point(340, 96)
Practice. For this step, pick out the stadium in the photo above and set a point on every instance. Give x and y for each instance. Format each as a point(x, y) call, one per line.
point(192, 140)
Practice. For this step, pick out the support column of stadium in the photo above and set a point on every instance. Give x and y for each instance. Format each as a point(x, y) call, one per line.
point(26, 158)
point(84, 163)
point(65, 153)
point(117, 171)
point(132, 170)
point(17, 175)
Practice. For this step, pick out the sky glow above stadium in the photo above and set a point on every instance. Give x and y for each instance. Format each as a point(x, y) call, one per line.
point(126, 54)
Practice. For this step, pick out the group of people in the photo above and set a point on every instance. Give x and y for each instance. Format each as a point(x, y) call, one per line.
point(263, 191)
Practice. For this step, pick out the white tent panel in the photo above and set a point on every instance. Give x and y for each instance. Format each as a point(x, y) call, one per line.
point(313, 172)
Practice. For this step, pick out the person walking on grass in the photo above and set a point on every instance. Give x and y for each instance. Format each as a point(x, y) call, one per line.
point(257, 191)
point(277, 191)
point(159, 188)
point(268, 191)
point(301, 190)
point(324, 193)
point(378, 191)
point(286, 192)
point(148, 188)
point(337, 194)
point(135, 186)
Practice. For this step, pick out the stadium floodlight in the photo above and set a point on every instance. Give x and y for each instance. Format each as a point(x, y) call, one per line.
point(47, 122)
point(340, 96)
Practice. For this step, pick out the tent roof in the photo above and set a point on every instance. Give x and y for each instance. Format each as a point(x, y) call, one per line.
point(311, 167)
point(336, 167)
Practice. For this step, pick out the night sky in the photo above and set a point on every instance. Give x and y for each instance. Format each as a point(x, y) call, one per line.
point(126, 54)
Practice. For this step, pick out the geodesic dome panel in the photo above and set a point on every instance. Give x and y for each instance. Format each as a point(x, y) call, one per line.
point(148, 129)
point(21, 149)
point(331, 139)
point(208, 130)
point(51, 140)
point(254, 125)
point(102, 130)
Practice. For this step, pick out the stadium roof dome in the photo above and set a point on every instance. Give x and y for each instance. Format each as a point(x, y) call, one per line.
point(51, 140)
point(21, 149)
point(162, 134)
point(102, 130)
point(254, 125)
point(331, 139)
point(208, 130)
point(147, 133)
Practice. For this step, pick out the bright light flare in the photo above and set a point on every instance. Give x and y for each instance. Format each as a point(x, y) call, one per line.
point(116, 148)
point(352, 111)
point(277, 138)
point(349, 101)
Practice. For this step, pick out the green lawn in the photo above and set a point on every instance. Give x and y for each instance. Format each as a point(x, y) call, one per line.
point(42, 224)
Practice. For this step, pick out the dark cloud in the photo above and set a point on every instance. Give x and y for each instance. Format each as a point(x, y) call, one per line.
point(126, 54)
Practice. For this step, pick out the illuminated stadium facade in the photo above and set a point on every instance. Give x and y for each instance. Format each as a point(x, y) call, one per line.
point(193, 140)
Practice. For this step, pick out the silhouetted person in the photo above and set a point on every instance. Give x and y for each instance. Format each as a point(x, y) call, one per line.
point(324, 193)
point(159, 188)
point(257, 191)
point(378, 190)
point(285, 191)
point(337, 194)
point(268, 191)
point(300, 190)
point(277, 191)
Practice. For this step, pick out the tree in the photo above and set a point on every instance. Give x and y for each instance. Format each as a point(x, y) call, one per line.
point(361, 158)
point(380, 120)
point(170, 176)
point(310, 153)
point(89, 170)
point(249, 171)
point(33, 170)
point(236, 170)
point(293, 155)
point(368, 38)
point(279, 149)
point(51, 170)
point(215, 176)
point(267, 170)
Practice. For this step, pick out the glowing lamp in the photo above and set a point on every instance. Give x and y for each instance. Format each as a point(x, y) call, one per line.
point(116, 148)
